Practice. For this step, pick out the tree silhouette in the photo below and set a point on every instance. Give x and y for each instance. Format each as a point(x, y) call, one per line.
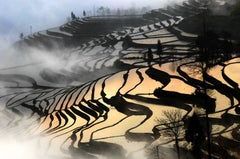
point(21, 36)
point(172, 126)
point(149, 56)
point(194, 132)
point(73, 16)
point(84, 13)
point(127, 41)
point(212, 51)
point(159, 50)
point(207, 46)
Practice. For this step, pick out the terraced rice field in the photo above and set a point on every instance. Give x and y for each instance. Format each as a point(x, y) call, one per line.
point(101, 99)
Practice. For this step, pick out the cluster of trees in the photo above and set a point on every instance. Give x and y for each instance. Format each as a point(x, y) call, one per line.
point(129, 11)
point(173, 126)
point(105, 11)
point(213, 48)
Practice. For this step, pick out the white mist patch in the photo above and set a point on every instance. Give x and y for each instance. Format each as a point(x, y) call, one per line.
point(10, 58)
point(50, 59)
point(31, 61)
point(8, 54)
point(27, 63)
point(11, 149)
point(13, 57)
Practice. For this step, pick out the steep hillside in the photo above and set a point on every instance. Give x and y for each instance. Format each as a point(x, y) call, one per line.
point(78, 31)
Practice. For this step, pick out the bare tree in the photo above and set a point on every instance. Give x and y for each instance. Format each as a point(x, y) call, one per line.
point(172, 126)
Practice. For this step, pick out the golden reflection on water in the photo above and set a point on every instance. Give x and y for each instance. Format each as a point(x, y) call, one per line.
point(147, 86)
point(233, 72)
point(112, 131)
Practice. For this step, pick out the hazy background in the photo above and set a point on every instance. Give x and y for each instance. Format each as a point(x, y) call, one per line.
point(16, 16)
